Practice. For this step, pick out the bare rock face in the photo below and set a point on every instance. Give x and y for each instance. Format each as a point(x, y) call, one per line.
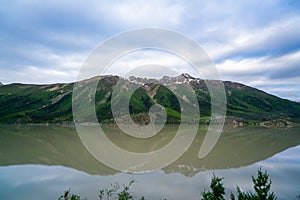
point(277, 123)
point(1, 84)
point(165, 80)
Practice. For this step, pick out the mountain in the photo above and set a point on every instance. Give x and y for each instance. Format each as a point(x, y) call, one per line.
point(28, 103)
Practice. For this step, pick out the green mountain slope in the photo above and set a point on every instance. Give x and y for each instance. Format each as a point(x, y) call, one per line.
point(25, 103)
point(251, 103)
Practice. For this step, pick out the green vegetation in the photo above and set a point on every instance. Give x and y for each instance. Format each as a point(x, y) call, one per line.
point(167, 99)
point(20, 103)
point(115, 192)
point(262, 106)
point(218, 190)
point(68, 196)
point(262, 186)
point(25, 103)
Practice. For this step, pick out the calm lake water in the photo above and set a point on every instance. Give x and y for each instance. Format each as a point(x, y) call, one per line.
point(40, 162)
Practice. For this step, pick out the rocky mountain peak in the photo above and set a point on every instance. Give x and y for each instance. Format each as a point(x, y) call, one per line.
point(142, 80)
point(186, 75)
point(1, 84)
point(183, 78)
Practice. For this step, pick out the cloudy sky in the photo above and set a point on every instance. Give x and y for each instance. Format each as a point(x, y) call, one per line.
point(254, 42)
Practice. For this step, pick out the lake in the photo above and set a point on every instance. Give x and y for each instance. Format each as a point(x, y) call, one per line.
point(41, 162)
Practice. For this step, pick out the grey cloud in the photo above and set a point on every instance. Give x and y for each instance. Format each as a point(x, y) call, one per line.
point(57, 34)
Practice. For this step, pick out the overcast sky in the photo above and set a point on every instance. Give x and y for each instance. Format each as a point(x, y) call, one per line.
point(254, 42)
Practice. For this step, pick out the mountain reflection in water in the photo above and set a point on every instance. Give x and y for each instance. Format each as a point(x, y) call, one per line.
point(57, 145)
point(40, 162)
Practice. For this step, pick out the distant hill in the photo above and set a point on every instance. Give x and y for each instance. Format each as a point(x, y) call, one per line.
point(29, 103)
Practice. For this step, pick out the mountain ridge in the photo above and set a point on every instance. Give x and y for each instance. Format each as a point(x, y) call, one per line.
point(52, 103)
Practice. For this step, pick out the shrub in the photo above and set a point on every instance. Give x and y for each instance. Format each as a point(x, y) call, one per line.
point(218, 191)
point(262, 187)
point(68, 196)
